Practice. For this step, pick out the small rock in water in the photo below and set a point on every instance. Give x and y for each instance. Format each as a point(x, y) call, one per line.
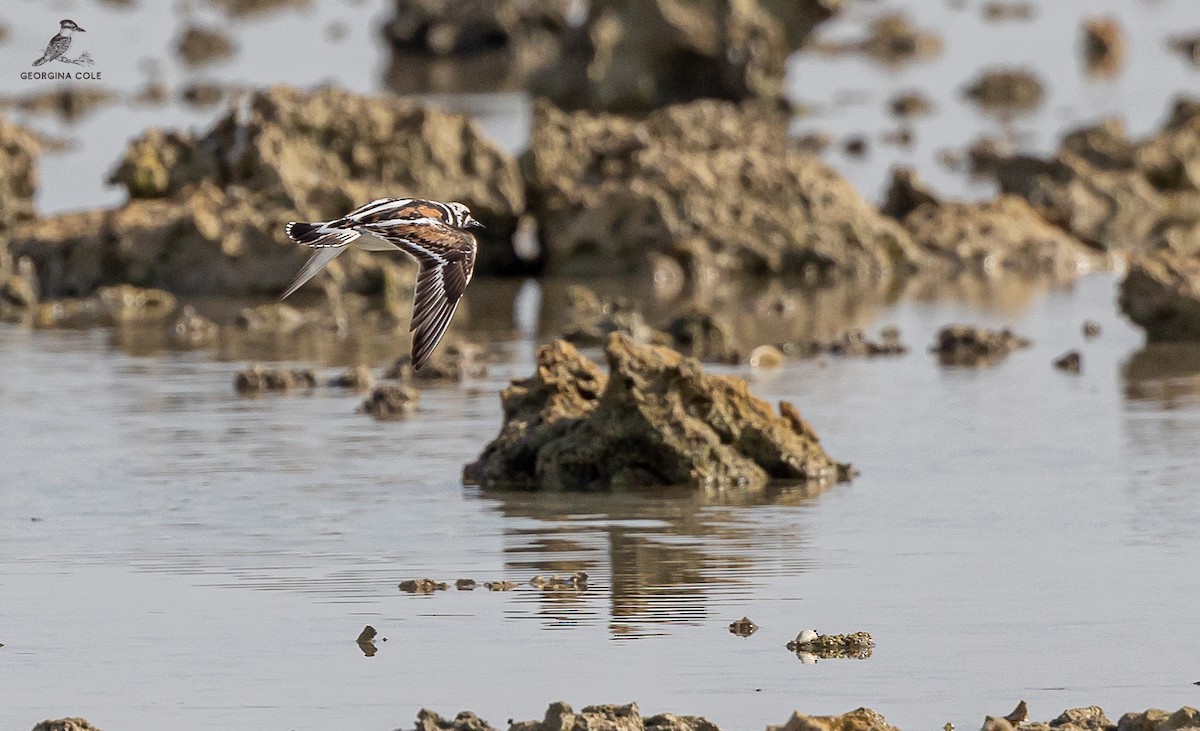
point(857, 645)
point(500, 585)
point(465, 584)
point(391, 401)
point(964, 345)
point(1091, 329)
point(65, 724)
point(422, 586)
point(743, 627)
point(1103, 46)
point(259, 379)
point(1071, 362)
point(855, 146)
point(366, 641)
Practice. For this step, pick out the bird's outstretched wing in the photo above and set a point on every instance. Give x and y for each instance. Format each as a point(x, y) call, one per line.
point(447, 260)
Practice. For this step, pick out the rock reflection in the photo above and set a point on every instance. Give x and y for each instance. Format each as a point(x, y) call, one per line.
point(663, 558)
point(1167, 374)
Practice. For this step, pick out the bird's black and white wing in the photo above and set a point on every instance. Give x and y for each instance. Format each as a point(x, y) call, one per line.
point(447, 260)
point(58, 46)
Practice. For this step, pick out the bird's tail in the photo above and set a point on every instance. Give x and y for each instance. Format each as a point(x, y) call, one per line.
point(40, 61)
point(306, 233)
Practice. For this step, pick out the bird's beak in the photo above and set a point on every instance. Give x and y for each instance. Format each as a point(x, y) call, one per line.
point(81, 30)
point(475, 224)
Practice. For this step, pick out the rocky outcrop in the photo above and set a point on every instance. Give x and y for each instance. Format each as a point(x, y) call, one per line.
point(19, 150)
point(561, 717)
point(1115, 193)
point(206, 214)
point(1001, 235)
point(1161, 293)
point(713, 185)
point(655, 419)
point(638, 55)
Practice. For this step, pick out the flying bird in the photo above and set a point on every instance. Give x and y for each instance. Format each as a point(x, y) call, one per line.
point(436, 234)
point(60, 43)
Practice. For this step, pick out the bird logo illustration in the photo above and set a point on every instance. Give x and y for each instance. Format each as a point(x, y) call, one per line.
point(60, 43)
point(436, 234)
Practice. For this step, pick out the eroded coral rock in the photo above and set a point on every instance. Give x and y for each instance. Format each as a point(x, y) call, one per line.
point(1116, 193)
point(1001, 235)
point(656, 419)
point(964, 345)
point(427, 720)
point(612, 192)
point(857, 645)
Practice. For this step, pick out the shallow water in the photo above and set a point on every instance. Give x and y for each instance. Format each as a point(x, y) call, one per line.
point(173, 555)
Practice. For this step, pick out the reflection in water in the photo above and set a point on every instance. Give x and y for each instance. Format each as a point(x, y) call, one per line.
point(1162, 427)
point(1167, 374)
point(669, 558)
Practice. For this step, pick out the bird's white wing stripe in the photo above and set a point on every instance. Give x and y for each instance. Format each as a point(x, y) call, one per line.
point(316, 263)
point(377, 205)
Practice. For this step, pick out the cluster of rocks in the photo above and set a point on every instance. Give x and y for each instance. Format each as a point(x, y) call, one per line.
point(573, 582)
point(206, 213)
point(967, 345)
point(607, 54)
point(561, 716)
point(655, 419)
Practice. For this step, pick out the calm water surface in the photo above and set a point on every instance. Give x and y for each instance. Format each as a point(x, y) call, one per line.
point(173, 555)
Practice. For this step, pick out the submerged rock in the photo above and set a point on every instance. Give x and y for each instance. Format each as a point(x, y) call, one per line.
point(857, 645)
point(964, 345)
point(610, 193)
point(391, 401)
point(422, 586)
point(1071, 362)
point(656, 419)
point(66, 724)
point(743, 627)
point(260, 379)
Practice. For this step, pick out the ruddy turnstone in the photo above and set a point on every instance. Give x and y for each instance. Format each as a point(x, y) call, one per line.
point(60, 43)
point(436, 234)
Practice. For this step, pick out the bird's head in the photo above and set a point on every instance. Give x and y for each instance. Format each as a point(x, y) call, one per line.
point(462, 216)
point(70, 25)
